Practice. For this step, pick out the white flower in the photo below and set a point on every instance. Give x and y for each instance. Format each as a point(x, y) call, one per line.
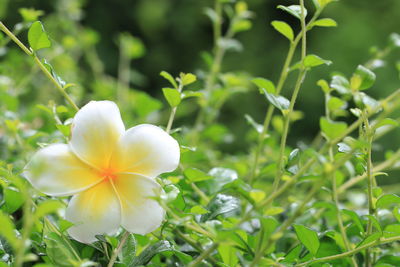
point(109, 171)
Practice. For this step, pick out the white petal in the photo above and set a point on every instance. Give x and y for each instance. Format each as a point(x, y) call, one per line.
point(95, 130)
point(56, 171)
point(94, 212)
point(141, 214)
point(147, 150)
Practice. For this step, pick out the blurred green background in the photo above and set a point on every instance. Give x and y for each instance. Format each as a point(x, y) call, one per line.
point(175, 33)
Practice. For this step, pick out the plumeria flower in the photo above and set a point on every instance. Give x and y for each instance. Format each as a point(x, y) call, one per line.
point(109, 171)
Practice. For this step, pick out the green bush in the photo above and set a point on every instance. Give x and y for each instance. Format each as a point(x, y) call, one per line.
point(319, 202)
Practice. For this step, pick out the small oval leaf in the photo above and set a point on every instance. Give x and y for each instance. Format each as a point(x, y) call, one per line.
point(283, 28)
point(37, 36)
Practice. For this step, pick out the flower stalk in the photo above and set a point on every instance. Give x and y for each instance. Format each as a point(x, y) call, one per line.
point(60, 88)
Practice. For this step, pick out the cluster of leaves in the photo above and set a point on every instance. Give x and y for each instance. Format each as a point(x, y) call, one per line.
point(222, 209)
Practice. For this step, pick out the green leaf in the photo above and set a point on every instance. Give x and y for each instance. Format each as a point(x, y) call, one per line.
point(363, 78)
point(47, 207)
point(257, 195)
point(335, 103)
point(58, 251)
point(222, 177)
point(327, 22)
point(13, 199)
point(274, 211)
point(173, 96)
point(30, 14)
point(386, 201)
point(264, 83)
point(369, 239)
point(324, 86)
point(365, 101)
point(174, 197)
point(187, 94)
point(392, 230)
point(294, 10)
point(128, 252)
point(220, 204)
point(59, 80)
point(132, 46)
point(64, 129)
point(268, 227)
point(7, 230)
point(230, 44)
point(344, 148)
point(394, 39)
point(332, 129)
point(396, 213)
point(211, 14)
point(148, 253)
point(198, 209)
point(278, 101)
point(314, 60)
point(355, 218)
point(37, 36)
point(187, 78)
point(258, 127)
point(169, 77)
point(241, 25)
point(293, 255)
point(144, 103)
point(63, 225)
point(322, 3)
point(341, 84)
point(283, 28)
point(374, 221)
point(294, 156)
point(223, 174)
point(228, 254)
point(308, 237)
point(196, 175)
point(386, 122)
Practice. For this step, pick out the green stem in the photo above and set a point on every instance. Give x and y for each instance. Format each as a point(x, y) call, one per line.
point(192, 225)
point(271, 108)
point(204, 255)
point(337, 207)
point(378, 168)
point(298, 212)
point(282, 79)
point(370, 185)
point(118, 249)
point(286, 130)
point(350, 252)
point(201, 194)
point(15, 39)
point(388, 110)
point(294, 179)
point(300, 79)
point(173, 112)
point(57, 231)
point(195, 245)
point(40, 64)
point(218, 52)
point(26, 226)
point(274, 237)
point(335, 197)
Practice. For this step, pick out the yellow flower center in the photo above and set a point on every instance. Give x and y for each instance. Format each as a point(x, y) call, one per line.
point(108, 174)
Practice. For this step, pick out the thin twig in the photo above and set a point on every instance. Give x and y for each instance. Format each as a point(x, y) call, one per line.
point(40, 64)
point(351, 252)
